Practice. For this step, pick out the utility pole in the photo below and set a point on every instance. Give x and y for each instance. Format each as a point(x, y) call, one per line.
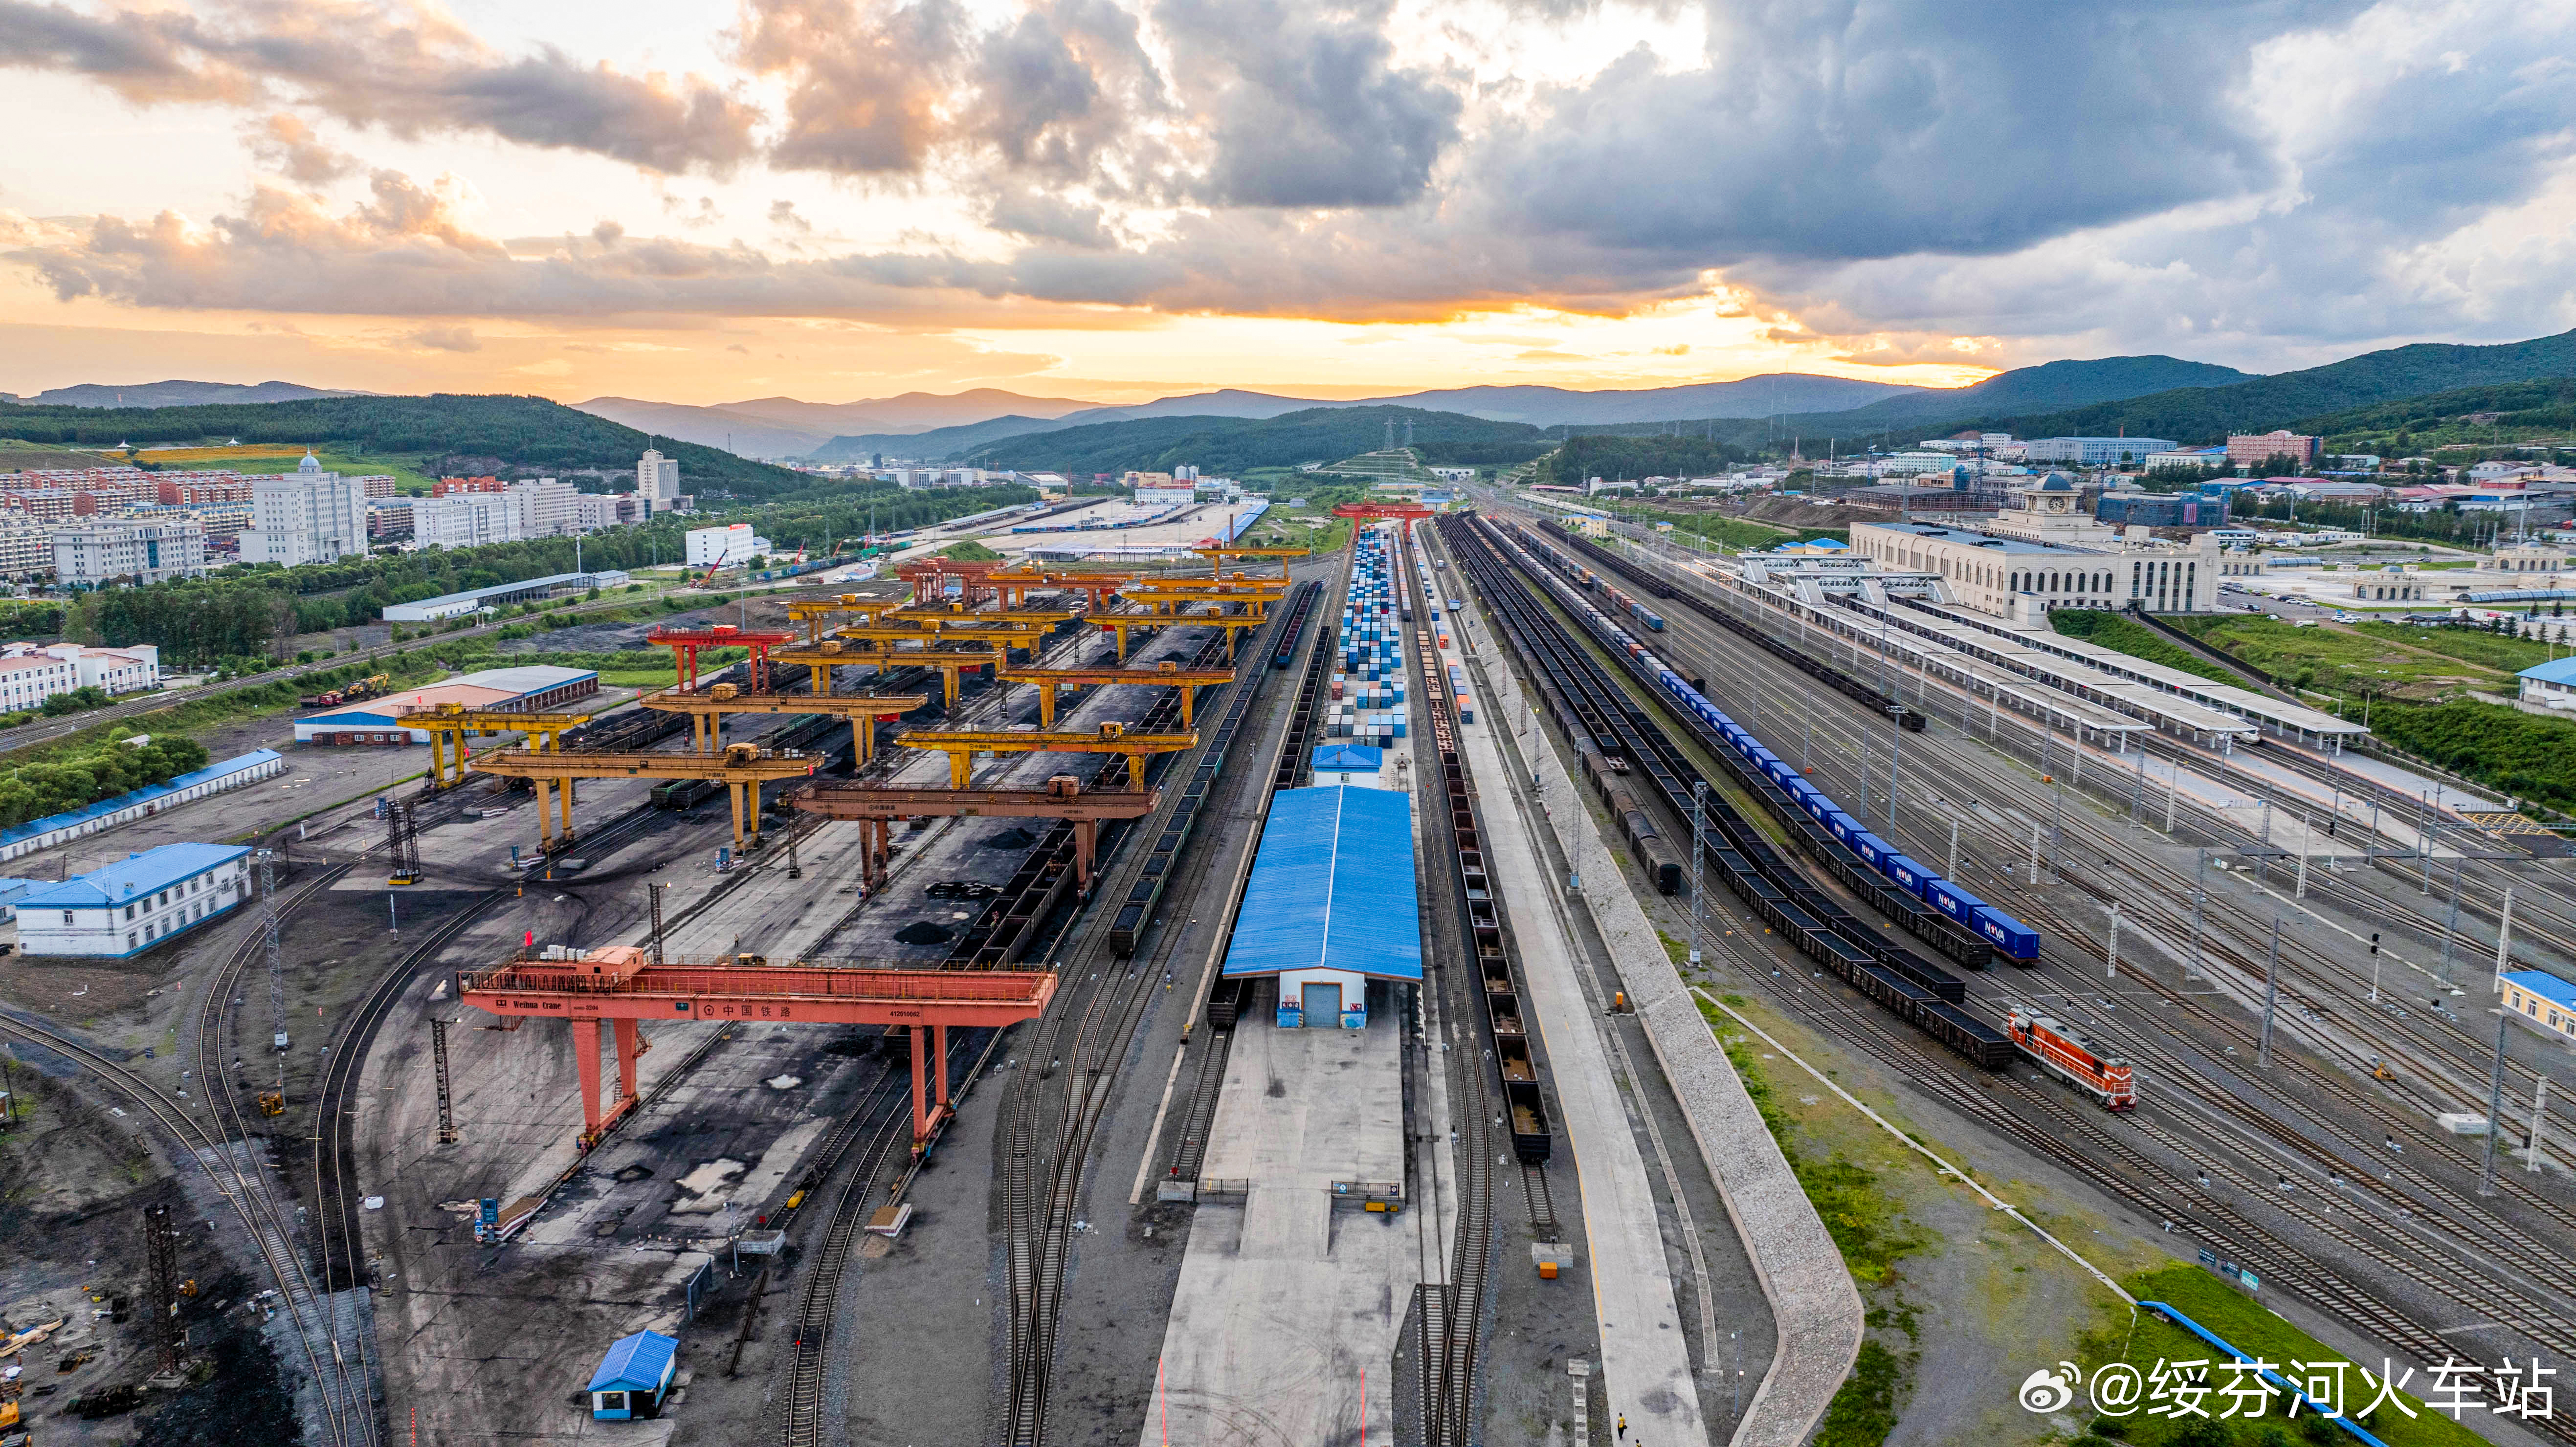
point(2451, 929)
point(275, 949)
point(653, 892)
point(2504, 943)
point(2138, 791)
point(2199, 897)
point(2271, 995)
point(1699, 857)
point(2539, 1109)
point(2034, 853)
point(1895, 754)
point(2495, 1108)
point(1953, 872)
point(2111, 955)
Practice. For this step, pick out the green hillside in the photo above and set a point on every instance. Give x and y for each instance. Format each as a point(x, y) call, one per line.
point(2467, 416)
point(1233, 445)
point(528, 432)
point(2203, 415)
point(1593, 454)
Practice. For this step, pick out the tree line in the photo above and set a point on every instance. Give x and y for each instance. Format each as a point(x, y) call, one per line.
point(33, 791)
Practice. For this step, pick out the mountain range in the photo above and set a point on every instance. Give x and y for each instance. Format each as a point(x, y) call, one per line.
point(176, 394)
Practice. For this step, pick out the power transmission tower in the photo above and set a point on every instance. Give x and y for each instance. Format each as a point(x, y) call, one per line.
point(446, 1098)
point(161, 1253)
point(402, 840)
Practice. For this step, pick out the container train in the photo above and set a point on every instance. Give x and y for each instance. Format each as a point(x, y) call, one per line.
point(2064, 1052)
point(2009, 936)
point(1742, 858)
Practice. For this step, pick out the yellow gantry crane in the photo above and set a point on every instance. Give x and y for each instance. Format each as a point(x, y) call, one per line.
point(1048, 680)
point(962, 747)
point(707, 707)
point(741, 768)
point(450, 725)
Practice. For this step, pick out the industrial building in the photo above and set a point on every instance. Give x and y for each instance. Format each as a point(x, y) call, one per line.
point(214, 778)
point(128, 907)
point(376, 721)
point(501, 595)
point(1331, 903)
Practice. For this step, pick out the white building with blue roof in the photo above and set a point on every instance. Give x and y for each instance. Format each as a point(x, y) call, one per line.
point(2550, 685)
point(126, 908)
point(1331, 903)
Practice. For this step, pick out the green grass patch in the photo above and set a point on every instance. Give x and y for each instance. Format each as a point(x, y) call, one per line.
point(2125, 635)
point(2519, 754)
point(2500, 651)
point(2350, 661)
point(2242, 1322)
point(1863, 1411)
point(970, 551)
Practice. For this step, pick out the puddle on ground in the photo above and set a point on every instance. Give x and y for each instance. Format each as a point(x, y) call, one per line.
point(704, 1188)
point(784, 1082)
point(923, 932)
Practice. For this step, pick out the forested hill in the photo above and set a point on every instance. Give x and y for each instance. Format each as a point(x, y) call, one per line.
point(2199, 415)
point(528, 432)
point(1222, 445)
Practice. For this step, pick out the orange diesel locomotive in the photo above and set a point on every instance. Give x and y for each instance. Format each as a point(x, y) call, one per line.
point(2063, 1051)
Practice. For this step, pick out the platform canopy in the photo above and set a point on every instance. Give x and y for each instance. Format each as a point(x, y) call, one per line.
point(1332, 887)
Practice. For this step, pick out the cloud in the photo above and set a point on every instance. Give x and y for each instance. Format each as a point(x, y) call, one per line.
point(1304, 107)
point(446, 339)
point(286, 145)
point(402, 66)
point(866, 89)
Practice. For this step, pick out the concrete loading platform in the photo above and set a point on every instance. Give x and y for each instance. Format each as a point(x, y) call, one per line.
point(1292, 1293)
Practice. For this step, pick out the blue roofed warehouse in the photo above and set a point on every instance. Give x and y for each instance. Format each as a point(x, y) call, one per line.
point(1331, 903)
point(634, 1377)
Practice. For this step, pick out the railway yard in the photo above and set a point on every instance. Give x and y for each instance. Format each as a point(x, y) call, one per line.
point(1099, 1069)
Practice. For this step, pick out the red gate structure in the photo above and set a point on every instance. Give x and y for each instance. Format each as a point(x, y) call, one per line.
point(622, 987)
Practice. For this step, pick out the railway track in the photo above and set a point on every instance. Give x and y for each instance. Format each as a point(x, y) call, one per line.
point(2287, 1266)
point(1061, 1090)
point(881, 1117)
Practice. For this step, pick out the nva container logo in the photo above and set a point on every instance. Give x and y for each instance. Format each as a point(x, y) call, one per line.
point(1993, 930)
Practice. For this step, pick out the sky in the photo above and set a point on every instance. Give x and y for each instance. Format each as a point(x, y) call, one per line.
point(1119, 199)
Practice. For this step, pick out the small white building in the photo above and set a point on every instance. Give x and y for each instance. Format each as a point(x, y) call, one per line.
point(127, 908)
point(726, 545)
point(1179, 495)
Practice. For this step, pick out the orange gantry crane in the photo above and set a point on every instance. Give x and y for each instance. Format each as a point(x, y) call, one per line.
point(623, 987)
point(1407, 513)
point(741, 768)
point(962, 746)
point(1048, 680)
point(876, 810)
point(684, 644)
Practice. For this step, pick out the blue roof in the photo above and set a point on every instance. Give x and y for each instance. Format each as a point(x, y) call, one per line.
point(2546, 985)
point(2556, 670)
point(105, 807)
point(634, 1363)
point(136, 876)
point(1349, 758)
point(1332, 888)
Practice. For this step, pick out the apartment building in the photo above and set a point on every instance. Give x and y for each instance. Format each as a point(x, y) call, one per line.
point(2254, 449)
point(657, 481)
point(306, 516)
point(464, 520)
point(137, 550)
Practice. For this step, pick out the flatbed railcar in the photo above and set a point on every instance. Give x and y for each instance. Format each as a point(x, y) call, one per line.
point(1743, 861)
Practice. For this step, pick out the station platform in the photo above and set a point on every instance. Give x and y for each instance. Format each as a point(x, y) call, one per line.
point(1290, 1296)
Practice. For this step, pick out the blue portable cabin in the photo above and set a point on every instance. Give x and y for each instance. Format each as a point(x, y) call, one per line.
point(634, 1377)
